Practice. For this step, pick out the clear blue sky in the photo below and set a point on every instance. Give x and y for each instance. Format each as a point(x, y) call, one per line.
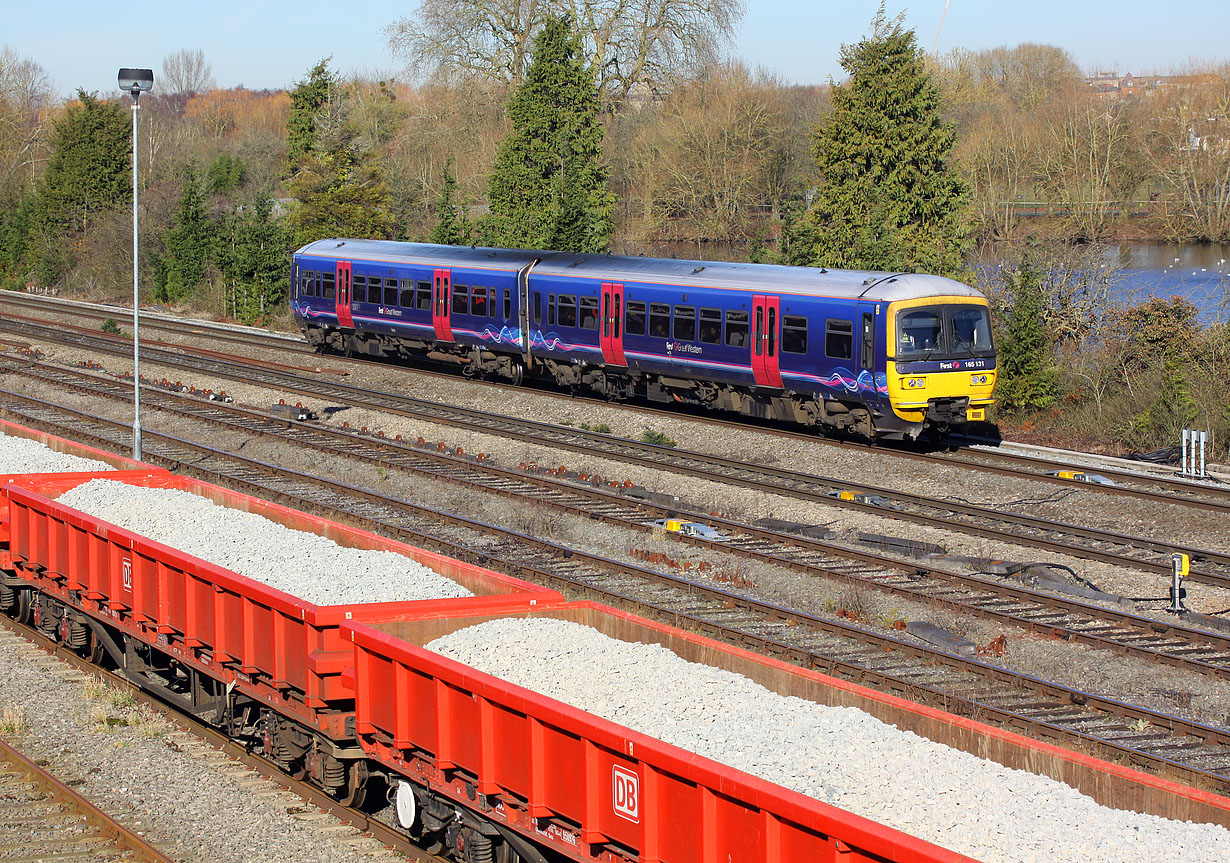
point(266, 44)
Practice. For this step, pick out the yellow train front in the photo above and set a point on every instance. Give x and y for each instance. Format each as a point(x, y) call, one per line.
point(940, 364)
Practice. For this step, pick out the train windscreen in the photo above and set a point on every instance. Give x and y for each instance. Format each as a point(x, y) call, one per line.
point(943, 332)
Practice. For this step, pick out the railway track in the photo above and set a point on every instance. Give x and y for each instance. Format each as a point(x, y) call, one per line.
point(1142, 553)
point(198, 740)
point(43, 818)
point(1013, 603)
point(1147, 482)
point(1171, 746)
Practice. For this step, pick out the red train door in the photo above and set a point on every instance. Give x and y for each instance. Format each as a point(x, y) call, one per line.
point(441, 304)
point(344, 318)
point(611, 333)
point(766, 333)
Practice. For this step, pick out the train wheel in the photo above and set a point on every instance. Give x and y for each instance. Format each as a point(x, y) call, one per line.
point(95, 651)
point(356, 785)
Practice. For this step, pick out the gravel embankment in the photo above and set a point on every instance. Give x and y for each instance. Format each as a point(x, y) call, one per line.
point(838, 755)
point(22, 455)
point(300, 563)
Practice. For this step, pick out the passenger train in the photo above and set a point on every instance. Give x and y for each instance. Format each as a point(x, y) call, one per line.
point(882, 355)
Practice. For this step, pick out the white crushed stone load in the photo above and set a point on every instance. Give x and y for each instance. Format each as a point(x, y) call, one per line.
point(300, 563)
point(22, 455)
point(839, 755)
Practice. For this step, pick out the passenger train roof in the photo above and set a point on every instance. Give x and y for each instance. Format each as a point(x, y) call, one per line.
point(772, 278)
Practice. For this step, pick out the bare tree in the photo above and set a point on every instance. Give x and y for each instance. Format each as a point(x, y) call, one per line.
point(25, 91)
point(185, 71)
point(1189, 150)
point(705, 164)
point(631, 43)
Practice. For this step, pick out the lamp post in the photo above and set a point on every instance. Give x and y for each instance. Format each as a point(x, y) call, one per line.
point(136, 82)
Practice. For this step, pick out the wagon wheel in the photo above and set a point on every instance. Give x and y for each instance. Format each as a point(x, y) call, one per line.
point(94, 651)
point(356, 786)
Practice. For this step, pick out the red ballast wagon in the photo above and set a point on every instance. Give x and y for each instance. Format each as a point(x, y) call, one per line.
point(455, 739)
point(217, 644)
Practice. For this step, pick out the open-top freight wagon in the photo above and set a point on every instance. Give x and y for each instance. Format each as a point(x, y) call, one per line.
point(245, 656)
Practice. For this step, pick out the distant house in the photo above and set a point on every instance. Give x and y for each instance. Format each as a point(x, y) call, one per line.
point(1111, 85)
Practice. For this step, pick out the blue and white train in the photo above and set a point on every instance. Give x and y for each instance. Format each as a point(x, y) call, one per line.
point(888, 355)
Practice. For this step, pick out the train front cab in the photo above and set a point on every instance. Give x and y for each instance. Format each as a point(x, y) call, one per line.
point(941, 362)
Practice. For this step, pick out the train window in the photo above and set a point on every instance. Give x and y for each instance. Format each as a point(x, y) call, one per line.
point(492, 308)
point(685, 323)
point(320, 288)
point(390, 292)
point(407, 294)
point(919, 331)
point(869, 353)
point(971, 330)
point(589, 313)
point(330, 284)
point(567, 315)
point(478, 301)
point(424, 296)
point(634, 323)
point(358, 286)
point(537, 307)
point(507, 304)
point(839, 339)
point(736, 328)
point(794, 334)
point(659, 320)
point(306, 284)
point(711, 326)
point(772, 332)
point(461, 299)
point(550, 310)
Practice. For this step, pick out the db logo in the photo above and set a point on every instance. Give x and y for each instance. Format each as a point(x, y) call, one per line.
point(627, 793)
point(127, 574)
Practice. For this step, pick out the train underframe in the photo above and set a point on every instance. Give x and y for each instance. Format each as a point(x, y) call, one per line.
point(830, 415)
point(337, 766)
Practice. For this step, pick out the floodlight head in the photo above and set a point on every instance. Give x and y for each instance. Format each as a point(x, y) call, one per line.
point(136, 81)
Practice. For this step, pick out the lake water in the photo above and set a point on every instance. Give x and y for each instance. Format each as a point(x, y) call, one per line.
point(1199, 274)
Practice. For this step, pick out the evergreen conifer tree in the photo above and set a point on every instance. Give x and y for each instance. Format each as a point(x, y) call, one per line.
point(451, 229)
point(340, 187)
point(306, 102)
point(548, 186)
point(89, 172)
point(887, 198)
point(251, 250)
point(1027, 377)
point(181, 269)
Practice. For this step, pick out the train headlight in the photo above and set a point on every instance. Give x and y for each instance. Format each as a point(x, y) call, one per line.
point(915, 383)
point(978, 380)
